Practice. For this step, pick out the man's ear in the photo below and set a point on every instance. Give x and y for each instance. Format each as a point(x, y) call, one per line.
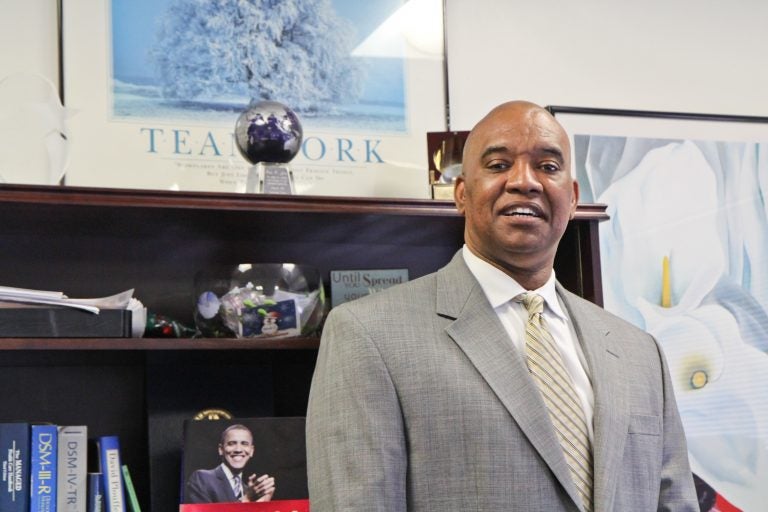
point(458, 194)
point(575, 198)
point(221, 451)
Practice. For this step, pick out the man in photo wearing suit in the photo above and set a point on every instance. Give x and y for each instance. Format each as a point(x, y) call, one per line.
point(224, 483)
point(487, 386)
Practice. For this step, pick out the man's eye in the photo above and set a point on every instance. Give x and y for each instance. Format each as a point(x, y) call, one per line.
point(549, 167)
point(497, 166)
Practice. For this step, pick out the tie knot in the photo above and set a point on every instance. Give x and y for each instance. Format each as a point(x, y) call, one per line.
point(533, 302)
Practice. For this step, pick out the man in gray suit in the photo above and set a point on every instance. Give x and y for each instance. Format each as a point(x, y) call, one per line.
point(422, 398)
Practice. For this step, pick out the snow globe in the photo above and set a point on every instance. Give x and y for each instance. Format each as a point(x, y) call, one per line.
point(268, 135)
point(259, 300)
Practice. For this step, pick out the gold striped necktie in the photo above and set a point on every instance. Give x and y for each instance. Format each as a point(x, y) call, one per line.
point(565, 410)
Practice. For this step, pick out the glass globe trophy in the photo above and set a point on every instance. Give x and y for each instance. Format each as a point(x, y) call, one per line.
point(269, 134)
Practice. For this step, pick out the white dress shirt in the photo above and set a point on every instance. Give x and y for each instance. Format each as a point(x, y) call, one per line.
point(500, 289)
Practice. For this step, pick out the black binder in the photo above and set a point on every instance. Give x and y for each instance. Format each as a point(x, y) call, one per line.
point(64, 322)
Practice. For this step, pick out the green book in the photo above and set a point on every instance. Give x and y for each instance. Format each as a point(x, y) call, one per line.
point(133, 501)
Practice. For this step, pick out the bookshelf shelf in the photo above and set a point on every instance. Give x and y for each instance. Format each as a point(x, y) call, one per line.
point(90, 242)
point(128, 198)
point(8, 344)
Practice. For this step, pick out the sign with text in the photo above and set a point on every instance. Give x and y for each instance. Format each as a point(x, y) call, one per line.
point(347, 285)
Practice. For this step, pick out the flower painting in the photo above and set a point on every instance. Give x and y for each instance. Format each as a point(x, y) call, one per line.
point(685, 257)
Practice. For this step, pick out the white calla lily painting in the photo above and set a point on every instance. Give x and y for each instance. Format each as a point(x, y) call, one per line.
point(684, 256)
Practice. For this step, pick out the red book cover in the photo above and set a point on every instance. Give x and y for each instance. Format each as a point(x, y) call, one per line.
point(272, 506)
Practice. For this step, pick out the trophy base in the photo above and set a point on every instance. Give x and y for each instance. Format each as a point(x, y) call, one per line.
point(442, 191)
point(270, 178)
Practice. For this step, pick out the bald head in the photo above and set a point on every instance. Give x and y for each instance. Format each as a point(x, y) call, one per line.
point(532, 115)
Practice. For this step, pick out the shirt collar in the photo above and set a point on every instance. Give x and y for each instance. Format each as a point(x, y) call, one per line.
point(500, 288)
point(228, 472)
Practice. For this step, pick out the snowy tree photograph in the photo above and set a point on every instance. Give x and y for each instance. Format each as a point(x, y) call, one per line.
point(180, 59)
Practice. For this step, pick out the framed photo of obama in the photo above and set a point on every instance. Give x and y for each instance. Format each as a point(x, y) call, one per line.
point(244, 460)
point(684, 255)
point(154, 88)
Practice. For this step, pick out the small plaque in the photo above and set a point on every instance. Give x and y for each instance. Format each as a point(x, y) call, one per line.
point(278, 179)
point(443, 191)
point(270, 178)
point(347, 285)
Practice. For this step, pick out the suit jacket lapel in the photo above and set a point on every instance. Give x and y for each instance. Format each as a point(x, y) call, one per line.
point(479, 333)
point(611, 414)
point(224, 486)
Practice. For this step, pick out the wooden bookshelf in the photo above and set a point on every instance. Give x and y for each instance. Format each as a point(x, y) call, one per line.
point(90, 242)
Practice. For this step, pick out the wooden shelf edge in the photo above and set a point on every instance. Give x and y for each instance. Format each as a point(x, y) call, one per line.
point(591, 211)
point(14, 344)
point(141, 198)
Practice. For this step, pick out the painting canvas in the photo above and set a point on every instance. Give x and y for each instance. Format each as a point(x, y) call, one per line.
point(154, 88)
point(685, 257)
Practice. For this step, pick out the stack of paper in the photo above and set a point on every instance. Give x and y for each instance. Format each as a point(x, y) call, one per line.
point(11, 297)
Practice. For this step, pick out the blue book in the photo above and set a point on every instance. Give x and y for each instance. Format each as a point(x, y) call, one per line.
point(112, 474)
point(14, 457)
point(43, 468)
point(95, 492)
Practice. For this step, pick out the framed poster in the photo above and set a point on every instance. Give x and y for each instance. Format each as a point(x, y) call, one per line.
point(155, 88)
point(685, 257)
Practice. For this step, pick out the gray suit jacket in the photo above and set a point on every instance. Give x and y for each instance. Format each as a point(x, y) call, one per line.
point(419, 402)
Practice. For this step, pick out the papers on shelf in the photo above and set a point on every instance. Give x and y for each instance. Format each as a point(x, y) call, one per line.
point(118, 301)
point(12, 297)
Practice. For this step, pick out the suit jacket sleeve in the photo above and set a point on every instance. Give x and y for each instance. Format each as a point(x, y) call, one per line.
point(208, 486)
point(197, 490)
point(356, 457)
